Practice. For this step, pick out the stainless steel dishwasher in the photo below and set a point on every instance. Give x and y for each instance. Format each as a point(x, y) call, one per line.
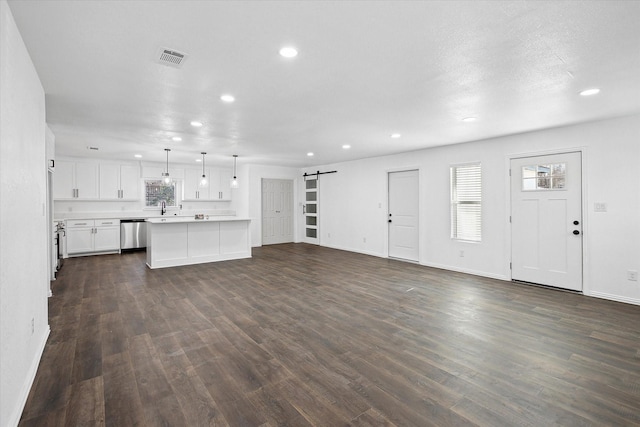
point(133, 234)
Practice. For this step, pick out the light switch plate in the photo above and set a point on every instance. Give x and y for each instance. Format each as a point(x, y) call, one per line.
point(599, 207)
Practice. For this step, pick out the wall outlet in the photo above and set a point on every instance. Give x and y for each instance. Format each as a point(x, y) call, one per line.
point(364, 240)
point(33, 326)
point(461, 254)
point(329, 235)
point(632, 275)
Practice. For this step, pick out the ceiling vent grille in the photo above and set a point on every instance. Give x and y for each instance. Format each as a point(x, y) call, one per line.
point(171, 58)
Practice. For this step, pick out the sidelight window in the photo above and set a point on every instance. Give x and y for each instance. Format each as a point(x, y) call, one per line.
point(466, 202)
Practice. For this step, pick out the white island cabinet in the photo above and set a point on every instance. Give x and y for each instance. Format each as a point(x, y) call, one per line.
point(173, 241)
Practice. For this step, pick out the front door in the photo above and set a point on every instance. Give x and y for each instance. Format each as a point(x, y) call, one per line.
point(403, 215)
point(277, 211)
point(546, 220)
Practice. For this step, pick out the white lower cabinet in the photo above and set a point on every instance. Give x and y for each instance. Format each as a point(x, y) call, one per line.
point(88, 236)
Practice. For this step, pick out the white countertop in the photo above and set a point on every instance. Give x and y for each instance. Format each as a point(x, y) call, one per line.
point(142, 214)
point(169, 219)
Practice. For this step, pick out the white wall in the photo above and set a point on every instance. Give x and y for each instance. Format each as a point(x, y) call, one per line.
point(24, 279)
point(353, 203)
point(248, 198)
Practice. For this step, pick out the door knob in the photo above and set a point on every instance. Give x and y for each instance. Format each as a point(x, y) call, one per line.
point(389, 220)
point(576, 222)
point(576, 232)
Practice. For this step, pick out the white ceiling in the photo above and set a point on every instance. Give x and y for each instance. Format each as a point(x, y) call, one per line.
point(365, 70)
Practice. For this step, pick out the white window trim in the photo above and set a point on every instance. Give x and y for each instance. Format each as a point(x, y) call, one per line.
point(178, 194)
point(454, 203)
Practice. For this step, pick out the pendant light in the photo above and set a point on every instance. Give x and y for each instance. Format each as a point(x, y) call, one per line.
point(234, 180)
point(165, 175)
point(203, 181)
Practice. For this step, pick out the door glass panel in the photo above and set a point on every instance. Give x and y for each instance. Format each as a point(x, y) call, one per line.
point(544, 177)
point(544, 183)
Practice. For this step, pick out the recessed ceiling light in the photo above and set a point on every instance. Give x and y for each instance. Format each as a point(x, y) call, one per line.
point(228, 98)
point(196, 124)
point(469, 119)
point(177, 138)
point(289, 52)
point(395, 135)
point(589, 92)
point(346, 146)
point(137, 156)
point(310, 154)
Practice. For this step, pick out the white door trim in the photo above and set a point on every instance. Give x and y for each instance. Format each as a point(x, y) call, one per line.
point(586, 288)
point(419, 201)
point(293, 212)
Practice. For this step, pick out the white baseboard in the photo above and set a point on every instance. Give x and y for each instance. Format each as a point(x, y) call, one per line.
point(14, 419)
point(468, 271)
point(611, 297)
point(358, 251)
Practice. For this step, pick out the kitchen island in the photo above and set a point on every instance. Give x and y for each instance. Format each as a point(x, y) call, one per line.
point(174, 241)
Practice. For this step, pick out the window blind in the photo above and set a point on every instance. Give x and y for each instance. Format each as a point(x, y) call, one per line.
point(466, 202)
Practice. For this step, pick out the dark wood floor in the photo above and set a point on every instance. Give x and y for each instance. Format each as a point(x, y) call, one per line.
point(302, 335)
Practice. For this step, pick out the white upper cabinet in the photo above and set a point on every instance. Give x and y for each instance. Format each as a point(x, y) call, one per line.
point(75, 180)
point(192, 188)
point(217, 189)
point(130, 182)
point(220, 187)
point(119, 182)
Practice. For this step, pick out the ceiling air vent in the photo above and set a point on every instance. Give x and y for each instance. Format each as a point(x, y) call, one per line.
point(171, 58)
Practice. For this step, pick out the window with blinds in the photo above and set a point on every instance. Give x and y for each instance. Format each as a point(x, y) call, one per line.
point(466, 202)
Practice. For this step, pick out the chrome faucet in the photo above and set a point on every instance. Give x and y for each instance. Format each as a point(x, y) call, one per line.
point(163, 208)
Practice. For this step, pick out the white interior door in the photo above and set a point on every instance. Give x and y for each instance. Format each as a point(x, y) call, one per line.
point(403, 215)
point(546, 220)
point(277, 211)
